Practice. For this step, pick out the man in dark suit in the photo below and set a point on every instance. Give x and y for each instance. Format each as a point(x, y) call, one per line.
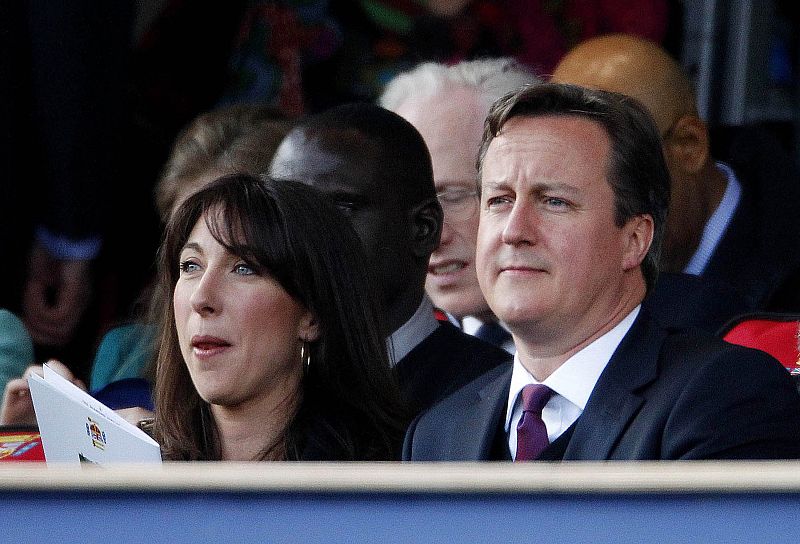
point(733, 222)
point(375, 167)
point(574, 196)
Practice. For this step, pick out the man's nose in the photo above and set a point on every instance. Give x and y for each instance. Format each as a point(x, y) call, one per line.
point(448, 233)
point(521, 224)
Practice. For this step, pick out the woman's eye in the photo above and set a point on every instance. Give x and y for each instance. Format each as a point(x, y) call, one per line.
point(187, 267)
point(243, 269)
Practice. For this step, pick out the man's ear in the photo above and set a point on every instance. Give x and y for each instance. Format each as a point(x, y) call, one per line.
point(426, 220)
point(639, 236)
point(687, 144)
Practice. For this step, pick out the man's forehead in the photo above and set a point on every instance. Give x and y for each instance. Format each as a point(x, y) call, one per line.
point(298, 155)
point(577, 127)
point(534, 131)
point(454, 107)
point(311, 160)
point(549, 145)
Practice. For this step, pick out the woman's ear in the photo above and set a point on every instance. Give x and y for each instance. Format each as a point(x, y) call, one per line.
point(687, 144)
point(308, 330)
point(427, 218)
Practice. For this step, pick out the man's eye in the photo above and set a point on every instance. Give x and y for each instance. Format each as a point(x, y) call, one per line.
point(494, 201)
point(347, 208)
point(187, 267)
point(455, 197)
point(555, 202)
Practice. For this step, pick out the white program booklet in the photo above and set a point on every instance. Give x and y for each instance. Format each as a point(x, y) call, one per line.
point(77, 428)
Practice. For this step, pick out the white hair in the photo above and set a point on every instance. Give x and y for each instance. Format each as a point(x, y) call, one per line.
point(492, 78)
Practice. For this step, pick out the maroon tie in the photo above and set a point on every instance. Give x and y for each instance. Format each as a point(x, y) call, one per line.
point(531, 431)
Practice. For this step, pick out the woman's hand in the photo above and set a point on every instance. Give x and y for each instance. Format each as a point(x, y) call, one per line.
point(134, 415)
point(17, 407)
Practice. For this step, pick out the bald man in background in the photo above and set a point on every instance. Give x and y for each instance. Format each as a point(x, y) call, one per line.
point(732, 224)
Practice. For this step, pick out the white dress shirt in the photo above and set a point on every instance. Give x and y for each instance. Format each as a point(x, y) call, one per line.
point(717, 223)
point(572, 383)
point(470, 325)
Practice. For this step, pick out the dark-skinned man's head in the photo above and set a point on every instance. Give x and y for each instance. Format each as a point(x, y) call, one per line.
point(375, 167)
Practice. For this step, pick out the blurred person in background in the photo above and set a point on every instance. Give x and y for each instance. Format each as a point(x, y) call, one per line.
point(223, 141)
point(374, 166)
point(733, 222)
point(63, 105)
point(448, 105)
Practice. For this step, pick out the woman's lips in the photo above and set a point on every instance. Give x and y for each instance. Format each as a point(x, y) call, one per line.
point(208, 346)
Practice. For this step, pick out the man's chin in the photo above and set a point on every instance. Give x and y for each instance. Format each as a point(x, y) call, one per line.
point(518, 316)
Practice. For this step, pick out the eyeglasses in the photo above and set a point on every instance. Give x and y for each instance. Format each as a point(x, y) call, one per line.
point(670, 131)
point(458, 204)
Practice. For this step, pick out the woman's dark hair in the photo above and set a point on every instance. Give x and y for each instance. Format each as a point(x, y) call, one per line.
point(239, 138)
point(350, 407)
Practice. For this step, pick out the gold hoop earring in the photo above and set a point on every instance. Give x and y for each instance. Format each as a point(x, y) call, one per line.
point(305, 356)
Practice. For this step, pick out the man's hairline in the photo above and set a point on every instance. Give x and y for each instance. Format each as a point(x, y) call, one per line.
point(580, 114)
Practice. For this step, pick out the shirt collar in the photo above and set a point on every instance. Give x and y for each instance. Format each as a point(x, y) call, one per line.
point(575, 379)
point(717, 224)
point(471, 324)
point(412, 332)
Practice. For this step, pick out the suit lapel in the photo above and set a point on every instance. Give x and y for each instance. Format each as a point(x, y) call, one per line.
point(614, 402)
point(481, 418)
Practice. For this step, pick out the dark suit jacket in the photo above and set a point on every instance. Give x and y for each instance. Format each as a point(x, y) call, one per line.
point(663, 395)
point(760, 252)
point(447, 359)
point(683, 301)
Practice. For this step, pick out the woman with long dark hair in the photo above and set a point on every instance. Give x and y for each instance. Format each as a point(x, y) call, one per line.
point(271, 347)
